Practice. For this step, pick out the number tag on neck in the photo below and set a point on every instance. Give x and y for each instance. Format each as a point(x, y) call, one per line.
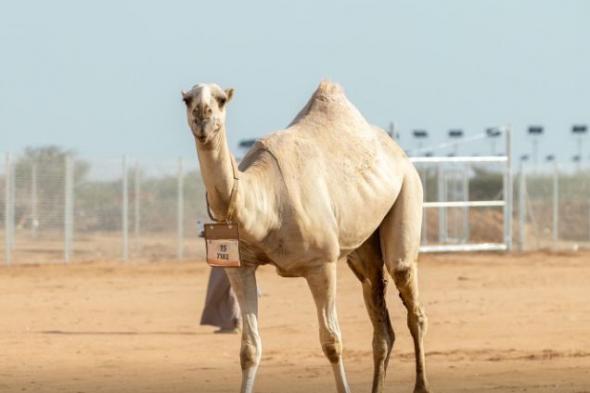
point(222, 242)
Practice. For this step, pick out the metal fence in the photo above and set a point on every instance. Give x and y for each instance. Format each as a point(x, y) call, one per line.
point(58, 207)
point(467, 199)
point(467, 203)
point(553, 209)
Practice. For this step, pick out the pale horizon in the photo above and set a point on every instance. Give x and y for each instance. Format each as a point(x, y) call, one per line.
point(105, 79)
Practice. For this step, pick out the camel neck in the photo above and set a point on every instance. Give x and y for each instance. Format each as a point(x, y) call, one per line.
point(217, 170)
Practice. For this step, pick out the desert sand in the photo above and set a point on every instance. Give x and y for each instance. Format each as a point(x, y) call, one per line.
point(498, 323)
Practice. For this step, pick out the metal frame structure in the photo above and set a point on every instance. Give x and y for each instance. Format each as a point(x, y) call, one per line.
point(505, 203)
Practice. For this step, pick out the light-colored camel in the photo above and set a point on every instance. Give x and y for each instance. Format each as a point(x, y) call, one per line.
point(327, 188)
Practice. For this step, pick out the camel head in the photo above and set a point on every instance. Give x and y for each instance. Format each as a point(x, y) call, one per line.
point(205, 110)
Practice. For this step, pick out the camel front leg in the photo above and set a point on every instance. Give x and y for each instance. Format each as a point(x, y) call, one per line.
point(322, 282)
point(243, 282)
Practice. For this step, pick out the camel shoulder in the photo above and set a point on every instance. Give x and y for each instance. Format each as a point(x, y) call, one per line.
point(286, 143)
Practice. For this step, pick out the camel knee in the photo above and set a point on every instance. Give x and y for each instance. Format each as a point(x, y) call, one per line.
point(382, 345)
point(249, 356)
point(403, 273)
point(332, 350)
point(417, 317)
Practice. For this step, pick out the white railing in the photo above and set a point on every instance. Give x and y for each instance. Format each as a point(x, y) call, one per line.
point(442, 204)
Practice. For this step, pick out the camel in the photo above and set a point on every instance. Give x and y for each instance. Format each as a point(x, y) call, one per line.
point(329, 187)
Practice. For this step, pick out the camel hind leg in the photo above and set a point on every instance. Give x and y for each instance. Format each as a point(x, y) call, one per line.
point(367, 264)
point(400, 241)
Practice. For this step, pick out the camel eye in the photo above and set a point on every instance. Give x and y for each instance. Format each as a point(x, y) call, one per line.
point(187, 100)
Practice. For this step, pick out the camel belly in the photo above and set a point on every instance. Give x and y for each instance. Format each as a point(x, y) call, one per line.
point(360, 216)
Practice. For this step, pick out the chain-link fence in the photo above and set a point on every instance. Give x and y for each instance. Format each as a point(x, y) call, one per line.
point(553, 206)
point(57, 207)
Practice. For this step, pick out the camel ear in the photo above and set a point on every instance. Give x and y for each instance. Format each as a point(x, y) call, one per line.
point(227, 95)
point(186, 97)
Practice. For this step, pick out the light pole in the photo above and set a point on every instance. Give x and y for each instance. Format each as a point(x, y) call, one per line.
point(463, 192)
point(522, 203)
point(576, 159)
point(580, 130)
point(555, 229)
point(454, 135)
point(493, 133)
point(535, 132)
point(421, 135)
point(392, 131)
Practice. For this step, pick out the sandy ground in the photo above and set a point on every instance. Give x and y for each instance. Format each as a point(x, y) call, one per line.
point(516, 323)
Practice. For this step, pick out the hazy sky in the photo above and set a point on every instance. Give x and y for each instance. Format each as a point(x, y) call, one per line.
point(104, 77)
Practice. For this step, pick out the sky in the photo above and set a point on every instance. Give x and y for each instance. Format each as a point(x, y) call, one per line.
point(104, 78)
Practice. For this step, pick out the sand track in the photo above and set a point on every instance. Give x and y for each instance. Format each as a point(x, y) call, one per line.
point(498, 324)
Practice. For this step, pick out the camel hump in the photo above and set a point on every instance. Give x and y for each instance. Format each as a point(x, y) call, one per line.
point(328, 90)
point(327, 100)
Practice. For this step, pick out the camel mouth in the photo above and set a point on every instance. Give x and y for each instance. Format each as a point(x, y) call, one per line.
point(201, 138)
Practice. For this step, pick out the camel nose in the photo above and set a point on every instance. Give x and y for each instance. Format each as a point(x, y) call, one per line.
point(202, 130)
point(200, 133)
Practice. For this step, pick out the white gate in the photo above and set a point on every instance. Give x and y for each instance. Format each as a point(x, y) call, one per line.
point(452, 178)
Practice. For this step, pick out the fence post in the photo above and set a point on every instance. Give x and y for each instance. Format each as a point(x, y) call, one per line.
point(34, 201)
point(424, 211)
point(442, 197)
point(508, 190)
point(12, 221)
point(7, 197)
point(124, 211)
point(137, 201)
point(68, 208)
point(466, 229)
point(555, 202)
point(180, 212)
point(522, 207)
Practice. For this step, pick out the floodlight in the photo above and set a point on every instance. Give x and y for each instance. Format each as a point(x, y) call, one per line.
point(535, 130)
point(420, 133)
point(246, 143)
point(456, 133)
